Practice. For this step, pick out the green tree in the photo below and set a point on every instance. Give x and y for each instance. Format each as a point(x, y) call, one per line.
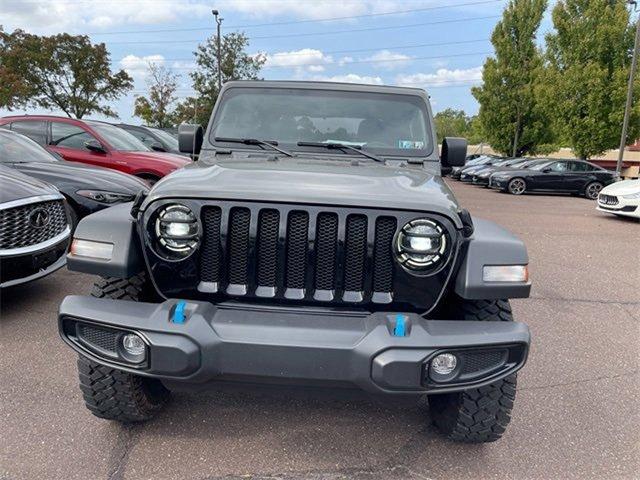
point(236, 64)
point(512, 118)
point(451, 123)
point(156, 109)
point(589, 57)
point(64, 72)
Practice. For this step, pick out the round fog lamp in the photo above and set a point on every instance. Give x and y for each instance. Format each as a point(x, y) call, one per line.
point(444, 364)
point(133, 344)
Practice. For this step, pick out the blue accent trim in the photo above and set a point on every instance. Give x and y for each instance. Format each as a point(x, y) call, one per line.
point(178, 313)
point(400, 330)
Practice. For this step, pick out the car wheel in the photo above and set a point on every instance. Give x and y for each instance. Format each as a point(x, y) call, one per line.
point(517, 186)
point(593, 190)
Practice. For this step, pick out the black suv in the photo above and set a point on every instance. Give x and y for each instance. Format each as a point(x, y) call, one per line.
point(314, 243)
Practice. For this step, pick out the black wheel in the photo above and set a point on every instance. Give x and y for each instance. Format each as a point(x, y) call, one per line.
point(111, 393)
point(73, 217)
point(116, 395)
point(593, 190)
point(516, 186)
point(482, 414)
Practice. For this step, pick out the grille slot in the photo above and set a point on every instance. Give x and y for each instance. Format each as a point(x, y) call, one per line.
point(239, 245)
point(99, 338)
point(17, 229)
point(485, 360)
point(326, 243)
point(268, 226)
point(383, 255)
point(355, 253)
point(297, 241)
point(211, 258)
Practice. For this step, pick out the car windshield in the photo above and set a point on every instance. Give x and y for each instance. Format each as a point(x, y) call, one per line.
point(167, 138)
point(119, 139)
point(540, 166)
point(16, 148)
point(387, 124)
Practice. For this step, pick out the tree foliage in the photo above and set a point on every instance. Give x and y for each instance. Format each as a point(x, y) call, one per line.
point(64, 72)
point(589, 57)
point(236, 64)
point(456, 123)
point(156, 109)
point(511, 114)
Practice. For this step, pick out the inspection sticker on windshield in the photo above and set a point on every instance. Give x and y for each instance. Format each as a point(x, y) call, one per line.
point(410, 144)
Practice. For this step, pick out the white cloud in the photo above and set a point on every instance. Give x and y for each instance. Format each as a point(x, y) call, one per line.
point(442, 76)
point(310, 9)
point(388, 60)
point(344, 60)
point(298, 58)
point(138, 68)
point(349, 78)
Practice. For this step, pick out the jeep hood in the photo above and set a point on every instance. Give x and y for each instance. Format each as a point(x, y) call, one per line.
point(312, 181)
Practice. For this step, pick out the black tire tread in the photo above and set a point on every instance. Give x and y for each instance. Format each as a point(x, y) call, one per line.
point(135, 288)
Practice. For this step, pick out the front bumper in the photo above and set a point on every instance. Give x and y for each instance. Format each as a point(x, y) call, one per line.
point(498, 183)
point(480, 180)
point(304, 346)
point(626, 207)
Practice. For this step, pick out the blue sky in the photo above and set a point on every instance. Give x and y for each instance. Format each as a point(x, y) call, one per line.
point(434, 44)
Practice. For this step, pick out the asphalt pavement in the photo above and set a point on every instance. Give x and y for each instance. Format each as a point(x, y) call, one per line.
point(576, 416)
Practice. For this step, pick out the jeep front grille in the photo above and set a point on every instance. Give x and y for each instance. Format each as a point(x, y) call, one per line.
point(297, 254)
point(20, 228)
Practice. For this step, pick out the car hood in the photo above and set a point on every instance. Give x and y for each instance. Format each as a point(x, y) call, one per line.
point(75, 176)
point(625, 187)
point(169, 159)
point(310, 180)
point(14, 186)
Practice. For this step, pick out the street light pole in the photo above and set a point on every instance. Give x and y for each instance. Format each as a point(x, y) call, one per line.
point(627, 109)
point(219, 52)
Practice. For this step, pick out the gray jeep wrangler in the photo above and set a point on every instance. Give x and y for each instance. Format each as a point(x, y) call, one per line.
point(313, 243)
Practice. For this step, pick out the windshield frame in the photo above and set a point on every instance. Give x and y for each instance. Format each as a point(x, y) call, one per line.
point(28, 146)
point(422, 154)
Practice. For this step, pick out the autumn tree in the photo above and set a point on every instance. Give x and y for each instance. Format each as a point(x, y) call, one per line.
point(236, 64)
point(513, 120)
point(156, 109)
point(60, 72)
point(589, 57)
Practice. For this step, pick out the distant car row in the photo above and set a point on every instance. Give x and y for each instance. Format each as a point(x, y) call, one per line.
point(578, 177)
point(52, 175)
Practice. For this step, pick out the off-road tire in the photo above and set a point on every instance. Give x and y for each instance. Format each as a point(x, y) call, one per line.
point(111, 393)
point(480, 414)
point(116, 395)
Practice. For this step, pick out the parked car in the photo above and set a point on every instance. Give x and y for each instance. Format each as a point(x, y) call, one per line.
point(34, 228)
point(621, 198)
point(154, 138)
point(487, 161)
point(566, 176)
point(296, 251)
point(476, 177)
point(95, 143)
point(484, 178)
point(87, 189)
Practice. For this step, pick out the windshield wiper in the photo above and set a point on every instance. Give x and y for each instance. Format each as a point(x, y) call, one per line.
point(254, 141)
point(340, 146)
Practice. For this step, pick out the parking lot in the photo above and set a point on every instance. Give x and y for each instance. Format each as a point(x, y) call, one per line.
point(576, 414)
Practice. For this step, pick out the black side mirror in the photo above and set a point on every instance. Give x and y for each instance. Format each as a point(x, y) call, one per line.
point(157, 147)
point(546, 170)
point(454, 152)
point(94, 146)
point(190, 138)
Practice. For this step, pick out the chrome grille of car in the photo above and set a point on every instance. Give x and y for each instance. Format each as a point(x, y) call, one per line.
point(608, 199)
point(297, 253)
point(31, 224)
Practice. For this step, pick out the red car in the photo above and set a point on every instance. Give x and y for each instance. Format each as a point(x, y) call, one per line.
point(95, 143)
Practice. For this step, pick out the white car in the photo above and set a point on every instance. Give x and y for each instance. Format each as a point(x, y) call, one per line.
point(621, 198)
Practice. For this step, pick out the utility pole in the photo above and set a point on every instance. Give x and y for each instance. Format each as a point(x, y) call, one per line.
point(219, 53)
point(627, 109)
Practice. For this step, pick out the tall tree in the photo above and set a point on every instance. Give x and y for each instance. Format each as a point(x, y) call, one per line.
point(236, 64)
point(157, 108)
point(64, 72)
point(451, 123)
point(512, 118)
point(589, 57)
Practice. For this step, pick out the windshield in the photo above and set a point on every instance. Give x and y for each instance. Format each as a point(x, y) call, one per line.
point(166, 137)
point(540, 166)
point(119, 139)
point(388, 124)
point(18, 149)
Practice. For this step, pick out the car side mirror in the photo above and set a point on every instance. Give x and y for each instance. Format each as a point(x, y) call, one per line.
point(546, 170)
point(94, 146)
point(190, 138)
point(454, 152)
point(157, 147)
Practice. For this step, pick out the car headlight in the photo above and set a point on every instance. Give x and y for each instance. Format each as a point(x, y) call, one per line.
point(632, 196)
point(105, 197)
point(421, 244)
point(177, 231)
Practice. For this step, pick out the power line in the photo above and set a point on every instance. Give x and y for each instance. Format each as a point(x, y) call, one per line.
point(296, 22)
point(311, 34)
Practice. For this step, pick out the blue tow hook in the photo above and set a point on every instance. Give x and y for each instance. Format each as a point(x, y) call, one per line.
point(400, 329)
point(178, 313)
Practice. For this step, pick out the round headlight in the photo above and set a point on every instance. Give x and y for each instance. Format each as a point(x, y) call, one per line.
point(421, 244)
point(177, 231)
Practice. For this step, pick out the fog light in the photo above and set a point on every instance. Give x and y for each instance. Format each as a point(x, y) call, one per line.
point(133, 345)
point(444, 364)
